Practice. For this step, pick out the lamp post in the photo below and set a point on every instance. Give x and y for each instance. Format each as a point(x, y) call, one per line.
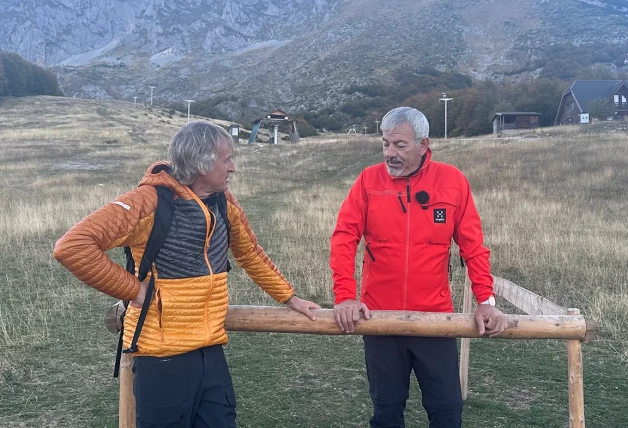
point(377, 127)
point(444, 98)
point(189, 102)
point(151, 94)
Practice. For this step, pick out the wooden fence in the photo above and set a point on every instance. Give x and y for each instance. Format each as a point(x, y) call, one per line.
point(543, 320)
point(536, 306)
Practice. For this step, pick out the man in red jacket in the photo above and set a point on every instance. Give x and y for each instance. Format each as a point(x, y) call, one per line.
point(408, 209)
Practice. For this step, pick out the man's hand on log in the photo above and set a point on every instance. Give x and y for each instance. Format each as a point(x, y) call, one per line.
point(490, 320)
point(347, 314)
point(302, 306)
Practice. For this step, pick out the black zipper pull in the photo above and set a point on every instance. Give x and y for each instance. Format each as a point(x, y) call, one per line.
point(368, 250)
point(403, 207)
point(408, 189)
point(449, 267)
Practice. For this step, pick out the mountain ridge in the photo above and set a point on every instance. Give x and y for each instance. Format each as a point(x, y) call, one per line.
point(296, 54)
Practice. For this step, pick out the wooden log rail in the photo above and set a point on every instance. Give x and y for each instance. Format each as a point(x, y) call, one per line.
point(403, 323)
point(571, 327)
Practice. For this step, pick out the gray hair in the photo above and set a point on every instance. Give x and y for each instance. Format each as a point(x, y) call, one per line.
point(194, 148)
point(401, 115)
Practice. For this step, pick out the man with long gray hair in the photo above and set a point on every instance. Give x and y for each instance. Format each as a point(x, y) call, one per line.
point(181, 375)
point(408, 209)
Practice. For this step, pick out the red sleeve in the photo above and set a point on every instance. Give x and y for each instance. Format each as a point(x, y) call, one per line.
point(345, 240)
point(469, 237)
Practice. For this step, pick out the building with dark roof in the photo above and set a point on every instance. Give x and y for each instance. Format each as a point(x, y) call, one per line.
point(583, 94)
point(505, 122)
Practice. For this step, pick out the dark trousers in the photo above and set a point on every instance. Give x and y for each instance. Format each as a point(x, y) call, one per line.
point(389, 362)
point(188, 390)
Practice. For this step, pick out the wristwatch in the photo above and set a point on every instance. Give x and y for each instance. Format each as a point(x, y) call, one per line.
point(489, 301)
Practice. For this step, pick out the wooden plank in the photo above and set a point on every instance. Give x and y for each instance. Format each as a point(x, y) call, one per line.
point(403, 323)
point(465, 342)
point(527, 301)
point(576, 383)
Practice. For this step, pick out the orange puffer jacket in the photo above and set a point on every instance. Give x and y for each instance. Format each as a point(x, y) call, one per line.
point(190, 302)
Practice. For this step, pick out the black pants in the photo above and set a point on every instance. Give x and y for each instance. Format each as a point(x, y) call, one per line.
point(389, 362)
point(188, 390)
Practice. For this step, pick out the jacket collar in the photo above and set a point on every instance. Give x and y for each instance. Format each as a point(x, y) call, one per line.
point(427, 157)
point(158, 174)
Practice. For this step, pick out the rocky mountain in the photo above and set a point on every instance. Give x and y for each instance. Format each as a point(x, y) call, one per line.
point(254, 55)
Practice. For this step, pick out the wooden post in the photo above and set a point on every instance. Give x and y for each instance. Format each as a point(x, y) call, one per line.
point(465, 342)
point(576, 384)
point(127, 400)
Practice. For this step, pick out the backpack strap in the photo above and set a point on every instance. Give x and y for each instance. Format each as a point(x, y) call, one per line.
point(158, 235)
point(130, 267)
point(140, 322)
point(161, 228)
point(116, 366)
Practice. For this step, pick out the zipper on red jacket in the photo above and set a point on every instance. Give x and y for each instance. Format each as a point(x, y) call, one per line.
point(403, 207)
point(449, 267)
point(405, 276)
point(368, 250)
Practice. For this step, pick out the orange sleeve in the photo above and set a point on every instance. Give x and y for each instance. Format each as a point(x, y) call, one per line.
point(251, 256)
point(121, 222)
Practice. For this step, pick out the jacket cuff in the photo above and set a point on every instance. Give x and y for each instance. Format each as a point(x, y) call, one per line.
point(484, 297)
point(490, 301)
point(341, 298)
point(287, 298)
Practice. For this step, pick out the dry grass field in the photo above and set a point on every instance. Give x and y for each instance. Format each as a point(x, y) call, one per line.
point(555, 215)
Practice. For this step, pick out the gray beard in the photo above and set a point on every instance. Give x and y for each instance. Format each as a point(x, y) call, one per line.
point(393, 171)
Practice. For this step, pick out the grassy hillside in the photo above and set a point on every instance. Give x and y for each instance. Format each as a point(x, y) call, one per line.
point(554, 210)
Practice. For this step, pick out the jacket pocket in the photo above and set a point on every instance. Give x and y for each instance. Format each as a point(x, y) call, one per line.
point(159, 307)
point(448, 243)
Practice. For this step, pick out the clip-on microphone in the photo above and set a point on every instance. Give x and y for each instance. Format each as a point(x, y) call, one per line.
point(422, 198)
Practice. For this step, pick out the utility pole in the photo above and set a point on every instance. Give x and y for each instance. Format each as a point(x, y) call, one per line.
point(151, 94)
point(377, 127)
point(444, 98)
point(189, 102)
